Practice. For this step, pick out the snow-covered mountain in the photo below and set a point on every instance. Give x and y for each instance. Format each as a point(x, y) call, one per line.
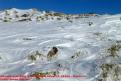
point(15, 15)
point(88, 45)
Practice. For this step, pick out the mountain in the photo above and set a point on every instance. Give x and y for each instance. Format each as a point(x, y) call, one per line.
point(14, 15)
point(80, 47)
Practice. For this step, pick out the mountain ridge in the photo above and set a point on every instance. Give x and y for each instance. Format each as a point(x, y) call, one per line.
point(14, 14)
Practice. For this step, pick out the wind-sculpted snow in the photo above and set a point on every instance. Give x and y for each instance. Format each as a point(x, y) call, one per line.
point(82, 48)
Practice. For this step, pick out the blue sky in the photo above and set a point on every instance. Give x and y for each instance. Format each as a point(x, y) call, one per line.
point(66, 6)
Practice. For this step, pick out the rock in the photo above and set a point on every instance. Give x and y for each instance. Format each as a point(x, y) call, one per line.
point(52, 53)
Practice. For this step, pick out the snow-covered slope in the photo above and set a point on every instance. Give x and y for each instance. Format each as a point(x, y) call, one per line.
point(87, 45)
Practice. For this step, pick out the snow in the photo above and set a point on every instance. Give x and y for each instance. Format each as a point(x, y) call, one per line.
point(69, 38)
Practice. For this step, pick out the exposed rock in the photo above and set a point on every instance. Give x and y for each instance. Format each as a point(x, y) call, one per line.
point(52, 53)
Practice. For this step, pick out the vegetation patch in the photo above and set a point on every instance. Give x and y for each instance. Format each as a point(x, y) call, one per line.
point(34, 56)
point(41, 74)
point(114, 49)
point(112, 71)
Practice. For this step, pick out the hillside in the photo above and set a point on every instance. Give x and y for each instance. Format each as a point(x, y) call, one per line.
point(88, 44)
